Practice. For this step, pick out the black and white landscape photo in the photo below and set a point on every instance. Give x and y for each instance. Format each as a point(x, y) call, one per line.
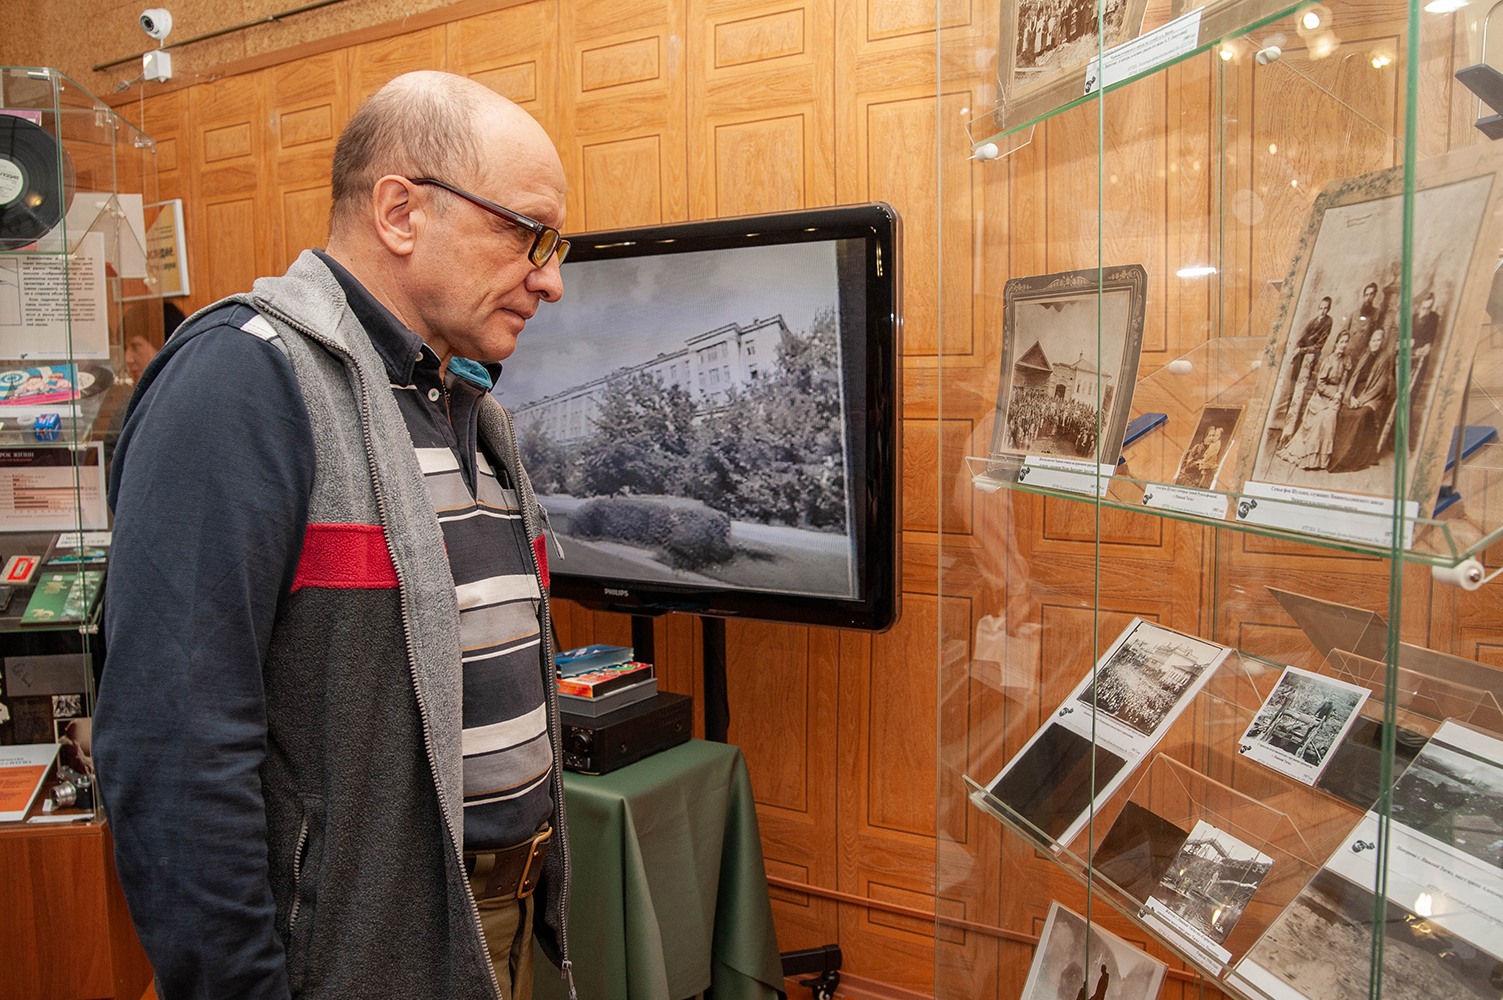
point(1302, 721)
point(1143, 680)
point(1456, 797)
point(1074, 961)
point(1211, 881)
point(683, 419)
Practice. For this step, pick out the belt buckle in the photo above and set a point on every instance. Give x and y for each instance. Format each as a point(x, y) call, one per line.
point(526, 884)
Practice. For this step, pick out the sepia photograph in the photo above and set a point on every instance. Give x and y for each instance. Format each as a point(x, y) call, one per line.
point(1325, 414)
point(1320, 948)
point(1455, 797)
point(683, 419)
point(1144, 679)
point(1209, 447)
point(1302, 720)
point(67, 706)
point(1069, 362)
point(1211, 881)
point(1042, 40)
point(1074, 961)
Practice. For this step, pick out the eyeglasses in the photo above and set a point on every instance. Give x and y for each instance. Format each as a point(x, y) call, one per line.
point(545, 241)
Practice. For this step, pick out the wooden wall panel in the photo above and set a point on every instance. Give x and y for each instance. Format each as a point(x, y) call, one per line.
point(761, 118)
point(308, 108)
point(374, 63)
point(513, 52)
point(623, 76)
point(232, 169)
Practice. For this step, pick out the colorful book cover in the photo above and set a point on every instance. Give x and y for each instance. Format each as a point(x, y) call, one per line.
point(599, 682)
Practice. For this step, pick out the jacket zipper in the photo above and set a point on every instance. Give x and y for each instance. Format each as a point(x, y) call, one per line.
point(550, 688)
point(297, 875)
point(370, 454)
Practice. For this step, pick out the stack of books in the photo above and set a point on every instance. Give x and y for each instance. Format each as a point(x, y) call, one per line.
point(594, 680)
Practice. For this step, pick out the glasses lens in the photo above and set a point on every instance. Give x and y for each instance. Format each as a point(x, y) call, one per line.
point(563, 250)
point(543, 247)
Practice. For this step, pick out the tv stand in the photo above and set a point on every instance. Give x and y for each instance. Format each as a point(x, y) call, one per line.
point(717, 704)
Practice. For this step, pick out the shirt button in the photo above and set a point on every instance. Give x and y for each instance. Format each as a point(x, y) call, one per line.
point(433, 394)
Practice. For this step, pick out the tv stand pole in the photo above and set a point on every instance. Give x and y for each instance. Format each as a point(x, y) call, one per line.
point(716, 701)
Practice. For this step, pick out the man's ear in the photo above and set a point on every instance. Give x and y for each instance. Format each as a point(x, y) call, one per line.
point(396, 214)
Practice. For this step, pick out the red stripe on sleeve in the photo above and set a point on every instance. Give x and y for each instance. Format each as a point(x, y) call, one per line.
point(540, 549)
point(345, 557)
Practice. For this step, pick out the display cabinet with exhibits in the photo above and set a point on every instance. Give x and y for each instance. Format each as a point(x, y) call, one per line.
point(80, 279)
point(1219, 388)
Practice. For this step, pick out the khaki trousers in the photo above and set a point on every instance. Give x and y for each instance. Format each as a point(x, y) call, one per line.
point(507, 922)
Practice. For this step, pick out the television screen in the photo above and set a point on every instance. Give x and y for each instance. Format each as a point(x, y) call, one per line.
point(709, 416)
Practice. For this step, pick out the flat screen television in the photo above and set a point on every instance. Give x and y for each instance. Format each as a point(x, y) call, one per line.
point(710, 416)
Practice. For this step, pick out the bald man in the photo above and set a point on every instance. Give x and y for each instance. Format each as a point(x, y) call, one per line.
point(327, 733)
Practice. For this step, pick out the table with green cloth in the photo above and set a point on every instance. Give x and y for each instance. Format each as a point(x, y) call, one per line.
point(669, 889)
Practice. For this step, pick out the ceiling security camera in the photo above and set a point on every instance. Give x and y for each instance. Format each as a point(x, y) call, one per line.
point(156, 22)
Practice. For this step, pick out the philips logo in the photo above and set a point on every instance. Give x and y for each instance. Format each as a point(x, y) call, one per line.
point(615, 592)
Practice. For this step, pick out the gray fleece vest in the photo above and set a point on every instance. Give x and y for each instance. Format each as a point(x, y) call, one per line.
point(363, 777)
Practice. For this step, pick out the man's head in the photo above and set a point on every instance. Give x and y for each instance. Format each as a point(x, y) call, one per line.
point(456, 274)
point(1325, 306)
point(1427, 303)
point(1370, 292)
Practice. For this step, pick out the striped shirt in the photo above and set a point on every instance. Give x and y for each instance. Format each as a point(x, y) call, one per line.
point(508, 757)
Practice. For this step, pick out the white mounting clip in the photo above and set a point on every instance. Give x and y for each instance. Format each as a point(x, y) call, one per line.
point(1469, 574)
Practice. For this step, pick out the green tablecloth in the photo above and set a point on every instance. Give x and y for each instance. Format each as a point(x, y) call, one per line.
point(669, 892)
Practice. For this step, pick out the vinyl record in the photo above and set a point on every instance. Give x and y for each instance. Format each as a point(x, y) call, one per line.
point(33, 198)
point(94, 379)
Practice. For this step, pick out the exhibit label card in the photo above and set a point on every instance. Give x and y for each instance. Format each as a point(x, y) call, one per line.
point(1350, 517)
point(1146, 52)
point(1202, 895)
point(1052, 472)
point(1444, 926)
point(52, 489)
point(1202, 503)
point(41, 292)
point(1301, 723)
point(1105, 728)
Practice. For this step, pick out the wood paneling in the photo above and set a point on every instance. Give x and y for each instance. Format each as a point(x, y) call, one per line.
point(513, 52)
point(623, 183)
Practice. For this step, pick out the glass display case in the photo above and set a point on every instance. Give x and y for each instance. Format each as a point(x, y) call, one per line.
point(79, 298)
point(1218, 398)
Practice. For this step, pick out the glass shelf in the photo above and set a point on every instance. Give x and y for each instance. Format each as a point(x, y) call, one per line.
point(1224, 372)
point(1219, 22)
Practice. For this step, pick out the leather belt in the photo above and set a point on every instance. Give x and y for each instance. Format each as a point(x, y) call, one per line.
point(514, 871)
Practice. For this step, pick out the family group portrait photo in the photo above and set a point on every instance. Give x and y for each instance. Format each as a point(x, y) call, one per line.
point(1332, 419)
